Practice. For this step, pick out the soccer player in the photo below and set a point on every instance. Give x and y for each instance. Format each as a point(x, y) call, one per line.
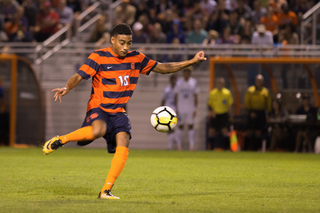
point(220, 102)
point(186, 101)
point(168, 100)
point(114, 71)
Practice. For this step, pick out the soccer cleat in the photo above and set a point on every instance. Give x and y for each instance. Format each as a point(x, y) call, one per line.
point(107, 195)
point(51, 145)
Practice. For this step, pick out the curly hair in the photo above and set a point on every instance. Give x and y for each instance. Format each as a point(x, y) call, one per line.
point(121, 29)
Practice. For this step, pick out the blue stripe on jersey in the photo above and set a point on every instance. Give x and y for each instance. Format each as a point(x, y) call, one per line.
point(144, 63)
point(133, 80)
point(133, 53)
point(116, 67)
point(105, 54)
point(112, 106)
point(152, 68)
point(109, 81)
point(127, 93)
point(91, 63)
point(83, 74)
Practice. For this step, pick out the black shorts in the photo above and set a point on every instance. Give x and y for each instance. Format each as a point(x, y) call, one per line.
point(116, 122)
point(220, 121)
point(257, 123)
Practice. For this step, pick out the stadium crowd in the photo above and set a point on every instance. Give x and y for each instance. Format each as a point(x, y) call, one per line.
point(206, 22)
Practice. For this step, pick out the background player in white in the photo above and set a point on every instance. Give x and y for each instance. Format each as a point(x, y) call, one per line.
point(168, 100)
point(186, 101)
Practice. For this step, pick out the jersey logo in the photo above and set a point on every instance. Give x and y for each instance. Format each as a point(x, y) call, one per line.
point(93, 116)
point(132, 66)
point(109, 67)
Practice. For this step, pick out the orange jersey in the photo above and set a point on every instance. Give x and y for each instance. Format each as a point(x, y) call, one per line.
point(290, 18)
point(114, 79)
point(270, 23)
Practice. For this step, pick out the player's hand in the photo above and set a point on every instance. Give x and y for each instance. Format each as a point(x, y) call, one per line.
point(199, 57)
point(59, 93)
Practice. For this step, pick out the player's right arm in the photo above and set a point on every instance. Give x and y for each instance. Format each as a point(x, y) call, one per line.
point(72, 83)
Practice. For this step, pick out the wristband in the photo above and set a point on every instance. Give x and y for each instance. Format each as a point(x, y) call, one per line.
point(64, 88)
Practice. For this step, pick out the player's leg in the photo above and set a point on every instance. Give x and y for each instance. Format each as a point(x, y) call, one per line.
point(171, 137)
point(224, 125)
point(117, 164)
point(190, 121)
point(191, 137)
point(94, 127)
point(118, 134)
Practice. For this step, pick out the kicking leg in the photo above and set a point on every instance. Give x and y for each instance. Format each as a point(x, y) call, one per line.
point(117, 164)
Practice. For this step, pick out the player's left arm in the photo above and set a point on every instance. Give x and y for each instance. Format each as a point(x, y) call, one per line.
point(165, 68)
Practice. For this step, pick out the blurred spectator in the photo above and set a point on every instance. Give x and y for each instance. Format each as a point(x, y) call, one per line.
point(125, 12)
point(219, 19)
point(176, 32)
point(257, 103)
point(231, 5)
point(8, 9)
point(46, 23)
point(276, 4)
point(212, 38)
point(100, 34)
point(271, 22)
point(279, 131)
point(198, 34)
point(3, 35)
point(288, 35)
point(65, 14)
point(167, 21)
point(142, 9)
point(168, 100)
point(209, 6)
point(302, 134)
point(76, 7)
point(162, 5)
point(248, 30)
point(138, 36)
point(258, 12)
point(286, 16)
point(30, 12)
point(244, 11)
point(227, 38)
point(197, 12)
point(261, 36)
point(220, 113)
point(158, 36)
point(186, 101)
point(235, 25)
point(147, 27)
point(301, 9)
point(17, 28)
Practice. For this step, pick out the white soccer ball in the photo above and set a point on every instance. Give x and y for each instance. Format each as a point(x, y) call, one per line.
point(163, 119)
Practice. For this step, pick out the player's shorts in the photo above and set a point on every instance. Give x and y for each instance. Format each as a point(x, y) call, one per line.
point(117, 122)
point(185, 118)
point(220, 121)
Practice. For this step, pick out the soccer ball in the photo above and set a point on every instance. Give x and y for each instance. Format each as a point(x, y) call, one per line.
point(163, 119)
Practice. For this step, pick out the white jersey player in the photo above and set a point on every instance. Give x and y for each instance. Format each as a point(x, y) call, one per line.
point(186, 100)
point(168, 96)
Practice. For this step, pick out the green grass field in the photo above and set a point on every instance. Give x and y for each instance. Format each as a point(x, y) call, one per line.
point(69, 180)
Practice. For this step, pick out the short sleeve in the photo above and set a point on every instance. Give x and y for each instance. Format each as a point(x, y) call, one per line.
point(90, 67)
point(147, 65)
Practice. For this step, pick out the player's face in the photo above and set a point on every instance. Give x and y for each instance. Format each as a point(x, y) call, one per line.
point(121, 44)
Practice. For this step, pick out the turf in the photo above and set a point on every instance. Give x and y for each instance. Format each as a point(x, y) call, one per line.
point(69, 180)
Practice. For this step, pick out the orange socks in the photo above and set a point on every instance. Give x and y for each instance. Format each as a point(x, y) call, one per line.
point(117, 164)
point(82, 134)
